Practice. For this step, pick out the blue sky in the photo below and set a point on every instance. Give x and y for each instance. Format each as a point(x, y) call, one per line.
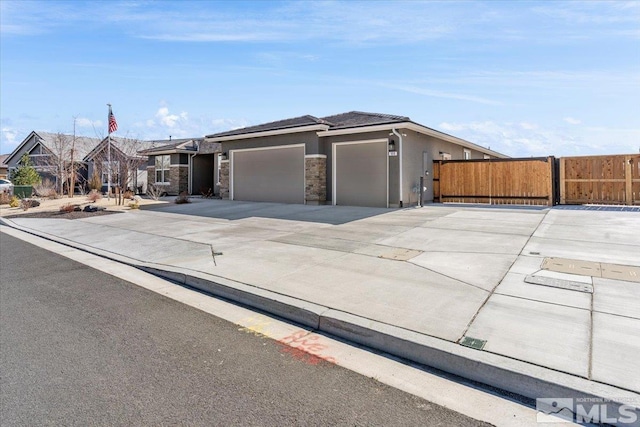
point(525, 78)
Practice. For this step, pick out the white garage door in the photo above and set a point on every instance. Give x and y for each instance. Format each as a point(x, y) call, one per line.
point(361, 173)
point(273, 174)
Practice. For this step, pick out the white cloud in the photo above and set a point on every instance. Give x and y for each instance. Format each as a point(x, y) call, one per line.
point(572, 121)
point(181, 125)
point(441, 94)
point(164, 118)
point(83, 122)
point(9, 136)
point(517, 140)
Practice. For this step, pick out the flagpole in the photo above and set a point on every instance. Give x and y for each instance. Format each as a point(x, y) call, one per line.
point(109, 154)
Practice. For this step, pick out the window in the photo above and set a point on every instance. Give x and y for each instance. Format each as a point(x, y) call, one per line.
point(445, 156)
point(486, 157)
point(115, 172)
point(162, 168)
point(466, 154)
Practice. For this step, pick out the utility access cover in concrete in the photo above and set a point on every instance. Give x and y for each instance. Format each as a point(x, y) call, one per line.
point(560, 283)
point(572, 266)
point(476, 343)
point(628, 273)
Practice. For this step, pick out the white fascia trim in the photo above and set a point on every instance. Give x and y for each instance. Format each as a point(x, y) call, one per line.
point(274, 147)
point(268, 133)
point(334, 196)
point(414, 127)
point(315, 156)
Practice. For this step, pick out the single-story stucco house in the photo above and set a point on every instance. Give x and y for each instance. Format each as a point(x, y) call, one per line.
point(354, 158)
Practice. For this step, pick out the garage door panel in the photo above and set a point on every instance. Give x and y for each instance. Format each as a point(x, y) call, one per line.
point(269, 175)
point(362, 174)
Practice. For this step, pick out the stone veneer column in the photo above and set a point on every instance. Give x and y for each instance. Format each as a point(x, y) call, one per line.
point(315, 174)
point(224, 179)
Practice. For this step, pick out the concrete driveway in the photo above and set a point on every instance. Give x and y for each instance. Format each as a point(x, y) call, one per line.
point(500, 280)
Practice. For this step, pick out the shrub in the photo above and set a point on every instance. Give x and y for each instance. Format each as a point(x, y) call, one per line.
point(4, 199)
point(154, 191)
point(25, 174)
point(183, 198)
point(14, 202)
point(46, 189)
point(67, 208)
point(25, 204)
point(128, 195)
point(95, 183)
point(94, 196)
point(134, 205)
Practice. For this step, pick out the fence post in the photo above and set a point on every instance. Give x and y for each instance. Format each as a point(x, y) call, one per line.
point(552, 181)
point(628, 183)
point(561, 182)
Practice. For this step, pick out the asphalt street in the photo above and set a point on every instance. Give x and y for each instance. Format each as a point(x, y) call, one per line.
point(81, 347)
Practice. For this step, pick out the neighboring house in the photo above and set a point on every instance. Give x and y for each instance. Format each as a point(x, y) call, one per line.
point(52, 153)
point(128, 167)
point(179, 165)
point(354, 158)
point(4, 168)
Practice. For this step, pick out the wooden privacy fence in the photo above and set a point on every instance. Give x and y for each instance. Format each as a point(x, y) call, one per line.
point(526, 181)
point(600, 180)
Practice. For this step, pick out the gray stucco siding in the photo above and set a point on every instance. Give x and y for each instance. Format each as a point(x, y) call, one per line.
point(309, 139)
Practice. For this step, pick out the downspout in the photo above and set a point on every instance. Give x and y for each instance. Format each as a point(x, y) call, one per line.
point(399, 135)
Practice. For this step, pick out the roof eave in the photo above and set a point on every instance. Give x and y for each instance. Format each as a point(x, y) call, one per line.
point(19, 147)
point(411, 126)
point(163, 152)
point(281, 131)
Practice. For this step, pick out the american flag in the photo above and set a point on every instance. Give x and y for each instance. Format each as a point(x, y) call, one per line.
point(113, 125)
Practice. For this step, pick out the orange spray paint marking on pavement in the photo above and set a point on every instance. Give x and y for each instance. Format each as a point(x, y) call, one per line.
point(305, 347)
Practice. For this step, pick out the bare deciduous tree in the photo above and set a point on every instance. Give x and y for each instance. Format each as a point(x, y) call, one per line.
point(60, 160)
point(125, 162)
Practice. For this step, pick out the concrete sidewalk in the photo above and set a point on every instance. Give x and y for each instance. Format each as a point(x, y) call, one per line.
point(530, 301)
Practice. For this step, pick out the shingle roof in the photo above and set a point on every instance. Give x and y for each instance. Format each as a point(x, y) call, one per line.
point(359, 118)
point(3, 157)
point(277, 125)
point(337, 121)
point(83, 145)
point(172, 144)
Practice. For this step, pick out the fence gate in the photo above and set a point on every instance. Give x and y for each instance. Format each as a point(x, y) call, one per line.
point(525, 181)
point(612, 180)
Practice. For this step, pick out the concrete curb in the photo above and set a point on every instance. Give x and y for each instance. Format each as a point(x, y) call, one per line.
point(504, 373)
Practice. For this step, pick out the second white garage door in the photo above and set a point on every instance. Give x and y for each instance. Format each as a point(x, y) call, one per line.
point(361, 173)
point(273, 174)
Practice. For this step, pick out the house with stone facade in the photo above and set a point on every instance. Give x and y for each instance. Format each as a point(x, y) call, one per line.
point(353, 158)
point(128, 168)
point(179, 165)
